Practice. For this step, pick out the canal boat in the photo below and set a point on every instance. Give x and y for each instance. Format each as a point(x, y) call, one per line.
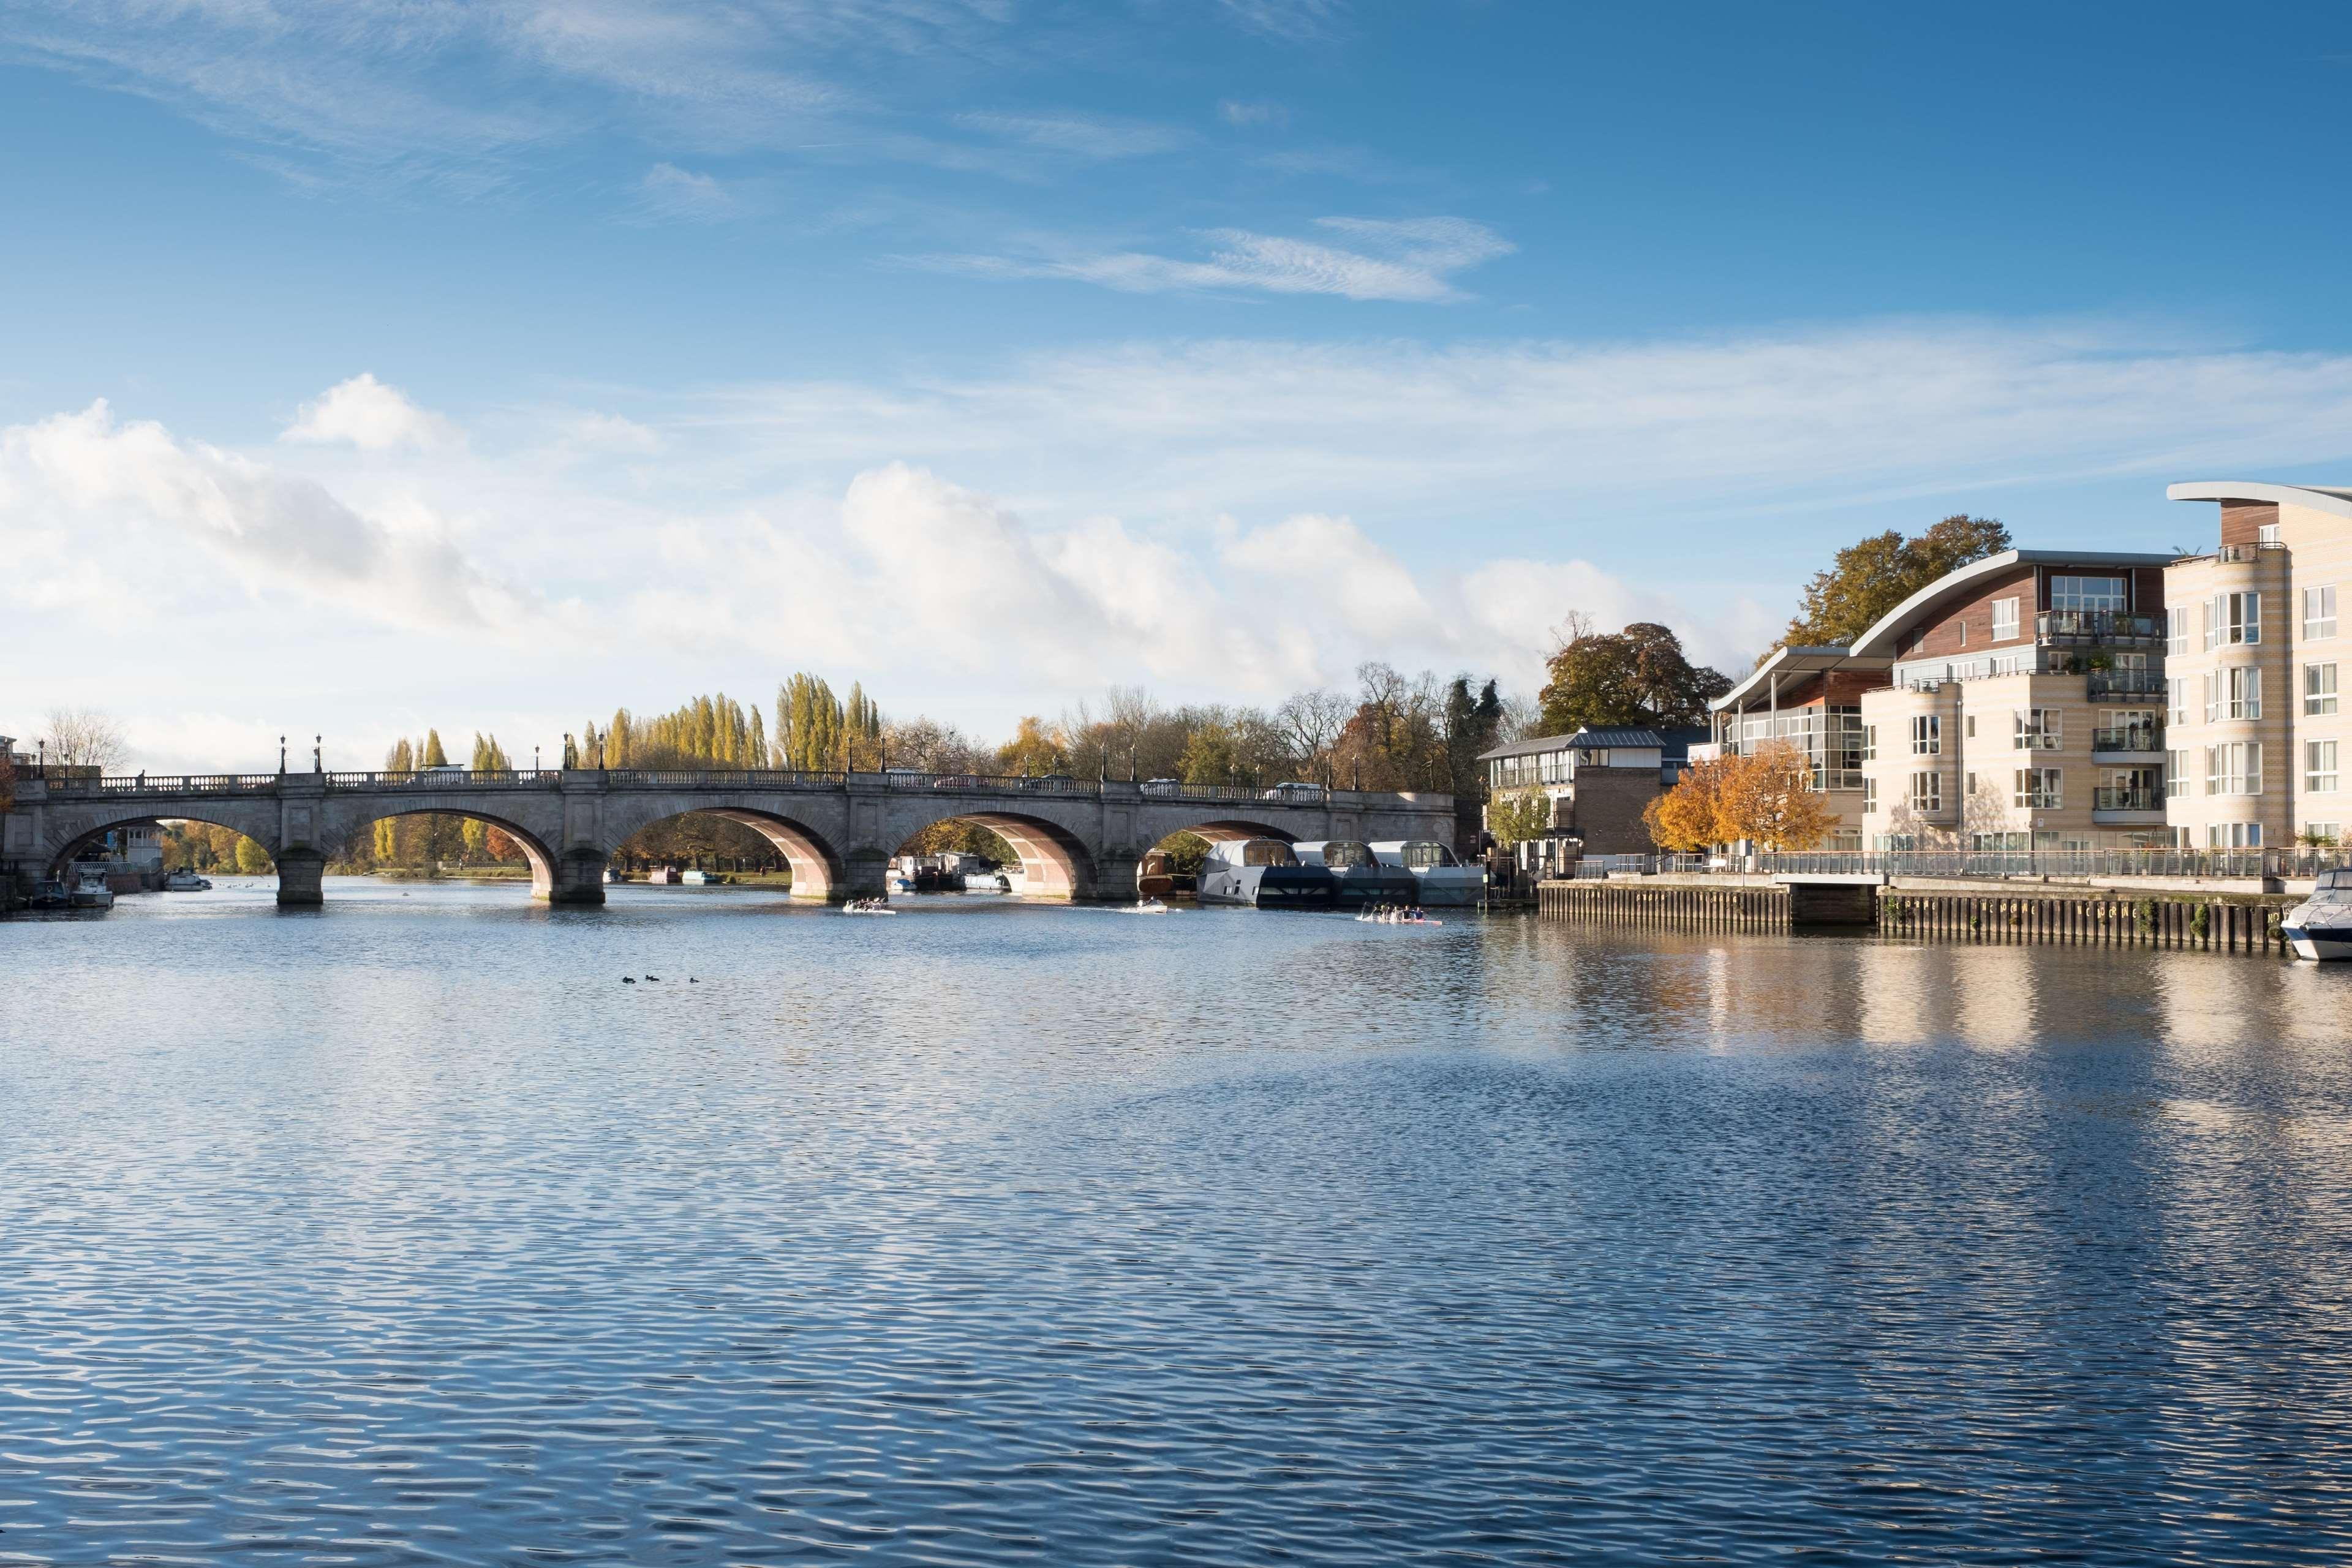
point(1363, 878)
point(1444, 882)
point(1156, 877)
point(663, 876)
point(613, 878)
point(1263, 873)
point(51, 894)
point(185, 880)
point(695, 877)
point(2320, 928)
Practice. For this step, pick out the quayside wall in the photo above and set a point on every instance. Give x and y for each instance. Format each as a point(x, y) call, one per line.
point(2205, 923)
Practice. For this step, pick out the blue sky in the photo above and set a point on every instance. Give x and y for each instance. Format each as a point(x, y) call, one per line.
point(487, 364)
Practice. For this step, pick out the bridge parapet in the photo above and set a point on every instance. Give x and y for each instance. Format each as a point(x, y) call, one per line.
point(1078, 838)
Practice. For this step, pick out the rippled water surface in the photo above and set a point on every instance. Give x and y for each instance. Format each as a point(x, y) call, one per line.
point(405, 1233)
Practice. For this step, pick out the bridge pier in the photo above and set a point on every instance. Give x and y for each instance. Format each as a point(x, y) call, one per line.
point(299, 872)
point(865, 874)
point(576, 878)
point(1117, 871)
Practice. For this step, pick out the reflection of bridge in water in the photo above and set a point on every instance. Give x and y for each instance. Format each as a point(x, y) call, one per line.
point(1077, 838)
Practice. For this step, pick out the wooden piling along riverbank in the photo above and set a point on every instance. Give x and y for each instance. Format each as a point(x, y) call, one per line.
point(1679, 907)
point(2107, 919)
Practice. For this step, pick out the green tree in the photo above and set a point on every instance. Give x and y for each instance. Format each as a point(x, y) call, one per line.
point(1517, 815)
point(1873, 575)
point(1633, 678)
point(1213, 755)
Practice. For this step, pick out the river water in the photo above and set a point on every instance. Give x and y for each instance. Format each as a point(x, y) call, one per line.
point(405, 1233)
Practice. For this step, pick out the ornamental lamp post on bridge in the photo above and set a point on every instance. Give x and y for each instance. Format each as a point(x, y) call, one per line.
point(318, 751)
point(282, 756)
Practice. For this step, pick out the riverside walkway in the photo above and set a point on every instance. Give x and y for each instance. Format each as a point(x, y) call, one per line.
point(1077, 838)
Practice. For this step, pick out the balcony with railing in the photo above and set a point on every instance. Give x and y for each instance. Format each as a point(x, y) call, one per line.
point(2113, 628)
point(2124, 685)
point(2127, 742)
point(2132, 804)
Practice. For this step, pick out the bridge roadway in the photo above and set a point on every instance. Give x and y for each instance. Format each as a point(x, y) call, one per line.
point(1077, 838)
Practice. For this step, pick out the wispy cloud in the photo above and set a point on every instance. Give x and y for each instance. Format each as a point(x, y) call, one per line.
point(667, 191)
point(1237, 112)
point(383, 85)
point(1412, 261)
point(1080, 135)
point(1296, 19)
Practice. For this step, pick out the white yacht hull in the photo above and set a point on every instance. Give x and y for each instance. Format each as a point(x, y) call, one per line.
point(2321, 945)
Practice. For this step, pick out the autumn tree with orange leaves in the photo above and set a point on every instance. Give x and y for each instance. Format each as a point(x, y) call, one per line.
point(1764, 796)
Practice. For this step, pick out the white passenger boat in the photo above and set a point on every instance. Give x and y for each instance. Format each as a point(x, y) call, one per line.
point(695, 877)
point(185, 880)
point(1445, 883)
point(93, 893)
point(2320, 928)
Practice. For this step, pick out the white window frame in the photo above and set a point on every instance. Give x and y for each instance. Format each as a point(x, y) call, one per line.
point(1929, 798)
point(2176, 775)
point(1869, 796)
point(2245, 691)
point(2176, 700)
point(2212, 689)
point(2037, 729)
point(1927, 734)
point(2234, 836)
point(2319, 768)
point(2040, 789)
point(2319, 614)
point(2234, 767)
point(2176, 629)
point(2319, 688)
point(2004, 619)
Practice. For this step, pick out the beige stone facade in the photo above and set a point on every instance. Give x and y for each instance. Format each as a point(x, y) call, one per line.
point(2257, 733)
point(2023, 709)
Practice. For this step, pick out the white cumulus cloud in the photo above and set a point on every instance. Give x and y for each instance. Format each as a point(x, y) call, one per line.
point(365, 413)
point(136, 489)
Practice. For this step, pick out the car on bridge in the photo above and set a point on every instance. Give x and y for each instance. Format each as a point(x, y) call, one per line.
point(1163, 786)
point(1296, 790)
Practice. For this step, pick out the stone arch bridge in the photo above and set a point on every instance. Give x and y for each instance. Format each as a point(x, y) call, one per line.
point(1077, 838)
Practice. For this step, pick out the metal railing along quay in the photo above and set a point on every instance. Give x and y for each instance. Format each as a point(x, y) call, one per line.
point(2181, 864)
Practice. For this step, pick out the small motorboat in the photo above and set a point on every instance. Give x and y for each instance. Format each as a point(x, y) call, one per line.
point(185, 880)
point(695, 877)
point(1144, 907)
point(2320, 928)
point(868, 907)
point(91, 893)
point(613, 878)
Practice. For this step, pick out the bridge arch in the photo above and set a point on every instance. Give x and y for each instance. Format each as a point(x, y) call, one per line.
point(67, 839)
point(535, 852)
point(819, 868)
point(1056, 862)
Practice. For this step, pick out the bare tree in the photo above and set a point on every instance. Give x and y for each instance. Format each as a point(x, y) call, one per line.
point(85, 738)
point(1312, 721)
